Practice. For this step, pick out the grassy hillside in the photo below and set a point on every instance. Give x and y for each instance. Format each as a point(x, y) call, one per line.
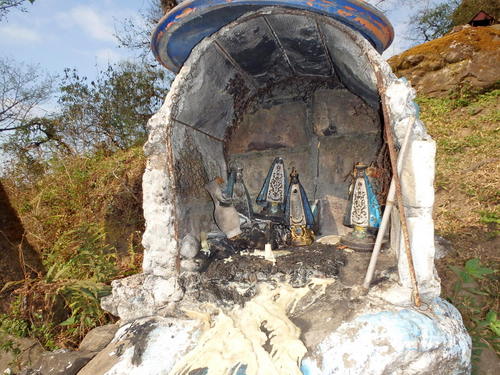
point(467, 211)
point(84, 218)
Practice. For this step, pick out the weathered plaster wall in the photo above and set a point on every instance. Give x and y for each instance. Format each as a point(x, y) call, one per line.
point(322, 136)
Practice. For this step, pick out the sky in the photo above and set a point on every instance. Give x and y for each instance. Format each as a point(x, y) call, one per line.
point(80, 34)
point(57, 34)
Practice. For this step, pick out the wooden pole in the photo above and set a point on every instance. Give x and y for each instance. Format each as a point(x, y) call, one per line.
point(388, 209)
point(397, 183)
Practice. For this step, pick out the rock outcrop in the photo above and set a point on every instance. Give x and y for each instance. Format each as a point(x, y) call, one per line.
point(29, 356)
point(466, 58)
point(18, 258)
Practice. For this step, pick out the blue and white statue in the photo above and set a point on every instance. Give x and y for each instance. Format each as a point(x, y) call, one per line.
point(298, 213)
point(272, 196)
point(363, 211)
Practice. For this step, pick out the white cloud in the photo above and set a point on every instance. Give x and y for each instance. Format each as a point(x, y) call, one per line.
point(16, 34)
point(91, 22)
point(108, 55)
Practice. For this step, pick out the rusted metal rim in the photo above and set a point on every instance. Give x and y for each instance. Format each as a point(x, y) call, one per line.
point(181, 29)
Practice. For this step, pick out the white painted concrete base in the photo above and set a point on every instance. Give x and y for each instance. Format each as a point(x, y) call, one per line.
point(380, 339)
point(399, 342)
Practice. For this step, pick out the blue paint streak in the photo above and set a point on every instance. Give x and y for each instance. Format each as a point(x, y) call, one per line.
point(305, 370)
point(373, 206)
point(412, 326)
point(242, 370)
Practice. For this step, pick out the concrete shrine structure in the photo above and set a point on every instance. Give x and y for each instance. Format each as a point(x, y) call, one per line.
point(303, 81)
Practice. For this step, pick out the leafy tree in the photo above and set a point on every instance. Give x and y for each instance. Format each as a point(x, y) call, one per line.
point(22, 89)
point(7, 5)
point(431, 23)
point(113, 110)
point(435, 21)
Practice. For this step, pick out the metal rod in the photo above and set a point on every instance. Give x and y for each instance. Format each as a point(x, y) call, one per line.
point(246, 76)
point(388, 209)
point(198, 130)
point(399, 195)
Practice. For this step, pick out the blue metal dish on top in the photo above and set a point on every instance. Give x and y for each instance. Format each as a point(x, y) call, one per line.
point(181, 29)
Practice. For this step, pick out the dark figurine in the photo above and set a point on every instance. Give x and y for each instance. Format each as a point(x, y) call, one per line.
point(236, 190)
point(298, 213)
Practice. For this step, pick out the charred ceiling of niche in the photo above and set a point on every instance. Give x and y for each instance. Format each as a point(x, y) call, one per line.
point(276, 44)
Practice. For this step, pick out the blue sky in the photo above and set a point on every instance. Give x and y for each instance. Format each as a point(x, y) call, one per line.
point(56, 34)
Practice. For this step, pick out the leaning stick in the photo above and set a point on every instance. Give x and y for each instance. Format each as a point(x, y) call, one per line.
point(399, 195)
point(388, 209)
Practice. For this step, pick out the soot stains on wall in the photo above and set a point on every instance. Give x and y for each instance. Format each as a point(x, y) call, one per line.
point(321, 132)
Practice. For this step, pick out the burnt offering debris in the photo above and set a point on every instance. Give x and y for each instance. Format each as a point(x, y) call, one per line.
point(297, 265)
point(232, 280)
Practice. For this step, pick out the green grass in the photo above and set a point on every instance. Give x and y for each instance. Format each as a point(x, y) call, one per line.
point(468, 156)
point(466, 130)
point(469, 293)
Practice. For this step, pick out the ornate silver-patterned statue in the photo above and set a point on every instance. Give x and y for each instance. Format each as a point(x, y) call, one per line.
point(363, 211)
point(298, 213)
point(272, 195)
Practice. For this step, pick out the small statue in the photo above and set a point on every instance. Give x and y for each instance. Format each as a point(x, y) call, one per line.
point(272, 194)
point(225, 215)
point(363, 211)
point(298, 213)
point(236, 190)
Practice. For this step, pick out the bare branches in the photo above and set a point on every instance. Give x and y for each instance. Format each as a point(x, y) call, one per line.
point(388, 6)
point(108, 113)
point(432, 22)
point(135, 33)
point(7, 5)
point(22, 89)
point(166, 5)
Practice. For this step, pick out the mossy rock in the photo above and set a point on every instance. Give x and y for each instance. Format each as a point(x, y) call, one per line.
point(465, 57)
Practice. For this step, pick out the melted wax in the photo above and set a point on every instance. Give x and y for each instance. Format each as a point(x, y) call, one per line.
point(256, 339)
